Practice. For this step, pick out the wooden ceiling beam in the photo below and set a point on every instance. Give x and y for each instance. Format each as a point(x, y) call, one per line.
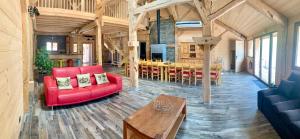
point(139, 20)
point(173, 10)
point(231, 5)
point(228, 28)
point(201, 10)
point(159, 4)
point(268, 11)
point(87, 27)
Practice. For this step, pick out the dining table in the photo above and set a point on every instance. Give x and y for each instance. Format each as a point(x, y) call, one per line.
point(164, 67)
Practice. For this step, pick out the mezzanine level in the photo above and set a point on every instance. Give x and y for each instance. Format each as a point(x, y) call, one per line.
point(64, 16)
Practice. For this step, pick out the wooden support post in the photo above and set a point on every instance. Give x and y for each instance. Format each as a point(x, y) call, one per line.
point(207, 32)
point(133, 44)
point(98, 42)
point(99, 13)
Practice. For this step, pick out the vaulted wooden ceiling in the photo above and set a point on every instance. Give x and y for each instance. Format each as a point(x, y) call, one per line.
point(244, 18)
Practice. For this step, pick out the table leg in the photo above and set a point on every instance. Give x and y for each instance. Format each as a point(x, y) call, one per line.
point(184, 111)
point(125, 69)
point(166, 74)
point(162, 73)
point(124, 130)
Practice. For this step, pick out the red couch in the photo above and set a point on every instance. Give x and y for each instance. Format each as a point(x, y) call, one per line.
point(55, 97)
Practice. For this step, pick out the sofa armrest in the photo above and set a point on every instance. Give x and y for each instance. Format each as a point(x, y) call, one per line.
point(116, 79)
point(51, 91)
point(262, 93)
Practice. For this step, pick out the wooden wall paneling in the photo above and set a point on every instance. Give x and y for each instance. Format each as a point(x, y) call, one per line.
point(11, 82)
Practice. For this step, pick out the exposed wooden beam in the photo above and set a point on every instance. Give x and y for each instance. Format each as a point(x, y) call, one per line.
point(221, 34)
point(231, 5)
point(235, 32)
point(201, 10)
point(173, 11)
point(185, 14)
point(159, 4)
point(87, 27)
point(139, 20)
point(268, 11)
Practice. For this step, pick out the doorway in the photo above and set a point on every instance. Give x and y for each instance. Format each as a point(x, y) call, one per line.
point(239, 55)
point(142, 50)
point(87, 54)
point(265, 58)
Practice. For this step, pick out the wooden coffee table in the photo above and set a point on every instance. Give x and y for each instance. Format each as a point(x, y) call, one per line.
point(150, 123)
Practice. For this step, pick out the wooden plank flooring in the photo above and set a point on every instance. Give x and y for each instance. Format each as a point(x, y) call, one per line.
point(233, 113)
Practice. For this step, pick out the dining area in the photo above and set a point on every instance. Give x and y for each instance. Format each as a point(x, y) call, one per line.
point(184, 73)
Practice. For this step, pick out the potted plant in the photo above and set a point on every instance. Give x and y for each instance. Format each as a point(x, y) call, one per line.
point(43, 64)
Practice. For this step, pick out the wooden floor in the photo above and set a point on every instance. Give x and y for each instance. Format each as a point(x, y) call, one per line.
point(233, 113)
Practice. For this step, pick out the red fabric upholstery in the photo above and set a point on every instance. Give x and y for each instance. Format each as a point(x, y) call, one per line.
point(102, 90)
point(91, 69)
point(75, 95)
point(55, 97)
point(65, 72)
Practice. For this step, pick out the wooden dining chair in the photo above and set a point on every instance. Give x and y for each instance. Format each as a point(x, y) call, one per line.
point(214, 74)
point(127, 68)
point(155, 70)
point(144, 69)
point(198, 74)
point(186, 73)
point(172, 72)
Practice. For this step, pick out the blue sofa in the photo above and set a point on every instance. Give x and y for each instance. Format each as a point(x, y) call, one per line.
point(282, 111)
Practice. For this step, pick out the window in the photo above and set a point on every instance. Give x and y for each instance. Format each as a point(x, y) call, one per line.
point(49, 46)
point(297, 52)
point(192, 51)
point(75, 48)
point(52, 46)
point(250, 48)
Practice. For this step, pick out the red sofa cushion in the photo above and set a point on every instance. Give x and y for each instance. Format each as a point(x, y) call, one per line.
point(75, 95)
point(91, 70)
point(67, 72)
point(102, 89)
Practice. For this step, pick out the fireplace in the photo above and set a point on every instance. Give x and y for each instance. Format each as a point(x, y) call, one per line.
point(159, 52)
point(157, 56)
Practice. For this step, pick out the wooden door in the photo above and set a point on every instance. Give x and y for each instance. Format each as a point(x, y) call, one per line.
point(239, 55)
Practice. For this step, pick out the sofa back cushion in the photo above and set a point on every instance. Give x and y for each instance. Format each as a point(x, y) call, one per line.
point(286, 88)
point(295, 76)
point(92, 70)
point(67, 72)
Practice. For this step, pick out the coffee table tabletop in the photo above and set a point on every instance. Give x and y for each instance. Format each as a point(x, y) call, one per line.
point(149, 122)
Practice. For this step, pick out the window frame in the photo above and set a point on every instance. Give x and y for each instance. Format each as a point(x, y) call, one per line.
point(51, 46)
point(260, 56)
point(295, 49)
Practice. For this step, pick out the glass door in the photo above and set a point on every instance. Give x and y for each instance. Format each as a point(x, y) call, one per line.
point(265, 59)
point(257, 57)
point(273, 58)
point(265, 53)
point(87, 54)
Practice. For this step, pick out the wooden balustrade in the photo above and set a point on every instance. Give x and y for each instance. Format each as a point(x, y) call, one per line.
point(77, 5)
point(114, 8)
point(117, 9)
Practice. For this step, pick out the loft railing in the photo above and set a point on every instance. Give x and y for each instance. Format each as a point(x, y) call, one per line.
point(114, 8)
point(117, 9)
point(76, 5)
